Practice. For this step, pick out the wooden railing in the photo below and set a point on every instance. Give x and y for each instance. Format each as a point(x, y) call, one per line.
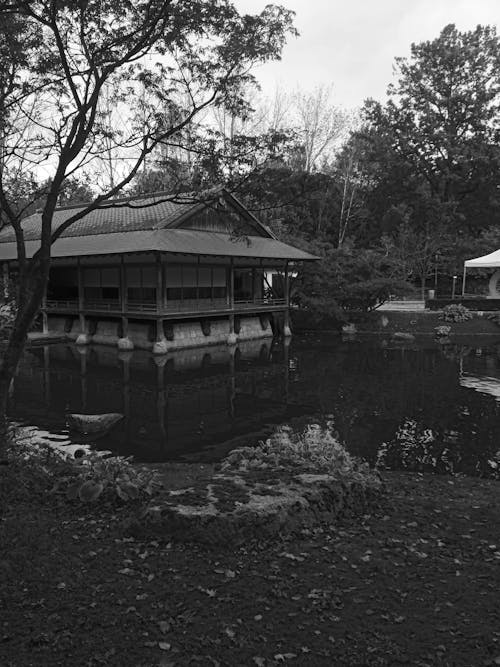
point(102, 304)
point(141, 306)
point(61, 304)
point(178, 306)
point(250, 303)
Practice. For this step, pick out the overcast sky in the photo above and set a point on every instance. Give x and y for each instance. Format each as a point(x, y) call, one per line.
point(352, 43)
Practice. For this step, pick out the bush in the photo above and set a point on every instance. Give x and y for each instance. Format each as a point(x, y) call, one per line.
point(345, 279)
point(442, 331)
point(43, 469)
point(456, 312)
point(314, 449)
point(495, 318)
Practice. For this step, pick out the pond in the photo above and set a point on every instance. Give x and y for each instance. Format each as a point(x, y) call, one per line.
point(425, 407)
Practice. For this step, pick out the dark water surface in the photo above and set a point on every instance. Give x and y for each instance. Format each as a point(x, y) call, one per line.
point(419, 407)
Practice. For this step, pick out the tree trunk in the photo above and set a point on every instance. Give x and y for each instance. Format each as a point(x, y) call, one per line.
point(15, 348)
point(423, 281)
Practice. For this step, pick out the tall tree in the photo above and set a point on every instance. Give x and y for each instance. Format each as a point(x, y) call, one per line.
point(443, 118)
point(166, 60)
point(320, 125)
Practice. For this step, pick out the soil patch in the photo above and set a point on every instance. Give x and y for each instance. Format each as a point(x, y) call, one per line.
point(412, 582)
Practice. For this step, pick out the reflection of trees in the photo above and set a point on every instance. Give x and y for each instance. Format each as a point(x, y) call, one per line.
point(374, 394)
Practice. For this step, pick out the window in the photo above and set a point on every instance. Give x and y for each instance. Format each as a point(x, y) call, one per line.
point(219, 292)
point(174, 293)
point(112, 293)
point(205, 292)
point(142, 294)
point(92, 293)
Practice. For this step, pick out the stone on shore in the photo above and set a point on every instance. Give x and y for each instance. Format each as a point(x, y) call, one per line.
point(402, 335)
point(91, 424)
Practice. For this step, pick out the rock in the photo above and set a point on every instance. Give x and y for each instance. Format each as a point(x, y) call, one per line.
point(235, 507)
point(402, 335)
point(349, 328)
point(90, 424)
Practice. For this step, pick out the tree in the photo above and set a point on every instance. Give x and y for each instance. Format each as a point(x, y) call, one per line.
point(345, 279)
point(320, 125)
point(442, 120)
point(165, 60)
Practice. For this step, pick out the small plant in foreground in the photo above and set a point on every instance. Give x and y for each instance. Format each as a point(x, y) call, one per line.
point(456, 312)
point(315, 450)
point(87, 479)
point(93, 475)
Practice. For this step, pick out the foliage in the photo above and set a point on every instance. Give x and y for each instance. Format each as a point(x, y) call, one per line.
point(441, 120)
point(161, 63)
point(346, 278)
point(87, 479)
point(7, 317)
point(315, 449)
point(442, 331)
point(495, 317)
point(93, 476)
point(456, 312)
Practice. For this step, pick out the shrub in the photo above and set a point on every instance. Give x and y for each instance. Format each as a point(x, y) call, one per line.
point(314, 449)
point(456, 312)
point(495, 317)
point(93, 476)
point(43, 469)
point(442, 331)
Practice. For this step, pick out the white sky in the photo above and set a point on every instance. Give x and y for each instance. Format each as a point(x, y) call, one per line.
point(352, 43)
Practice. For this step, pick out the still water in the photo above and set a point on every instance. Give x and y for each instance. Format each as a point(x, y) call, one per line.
point(415, 407)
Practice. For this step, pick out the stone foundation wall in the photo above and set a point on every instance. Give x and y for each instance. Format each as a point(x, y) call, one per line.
point(176, 335)
point(106, 332)
point(254, 327)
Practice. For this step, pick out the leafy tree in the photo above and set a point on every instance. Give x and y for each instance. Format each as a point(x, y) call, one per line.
point(346, 279)
point(442, 121)
point(63, 57)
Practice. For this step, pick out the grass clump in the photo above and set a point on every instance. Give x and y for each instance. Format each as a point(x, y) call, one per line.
point(314, 449)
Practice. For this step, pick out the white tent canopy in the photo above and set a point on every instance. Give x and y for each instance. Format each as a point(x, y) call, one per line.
point(486, 261)
point(491, 261)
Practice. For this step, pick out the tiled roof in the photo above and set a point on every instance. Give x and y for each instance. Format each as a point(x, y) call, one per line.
point(185, 241)
point(125, 216)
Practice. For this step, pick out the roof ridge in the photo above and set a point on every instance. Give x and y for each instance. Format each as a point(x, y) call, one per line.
point(147, 195)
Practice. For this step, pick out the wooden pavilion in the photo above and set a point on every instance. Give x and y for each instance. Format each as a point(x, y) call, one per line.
point(161, 274)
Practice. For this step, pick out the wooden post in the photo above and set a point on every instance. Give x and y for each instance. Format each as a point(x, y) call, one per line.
point(83, 377)
point(286, 324)
point(159, 284)
point(123, 286)
point(124, 342)
point(230, 292)
point(232, 338)
point(164, 289)
point(160, 345)
point(46, 375)
point(83, 338)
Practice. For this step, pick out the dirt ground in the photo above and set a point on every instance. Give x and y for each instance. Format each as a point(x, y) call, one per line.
point(415, 582)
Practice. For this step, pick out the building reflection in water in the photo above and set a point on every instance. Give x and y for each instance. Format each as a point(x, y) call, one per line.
point(193, 403)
